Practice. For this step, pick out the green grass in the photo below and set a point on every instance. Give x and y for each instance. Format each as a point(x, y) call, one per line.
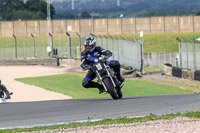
point(108, 122)
point(152, 69)
point(163, 42)
point(25, 46)
point(71, 84)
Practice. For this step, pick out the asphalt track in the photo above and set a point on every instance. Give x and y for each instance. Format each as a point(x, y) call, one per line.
point(46, 112)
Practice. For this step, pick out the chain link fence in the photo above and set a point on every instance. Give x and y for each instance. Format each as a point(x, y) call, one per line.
point(128, 51)
point(189, 54)
point(155, 59)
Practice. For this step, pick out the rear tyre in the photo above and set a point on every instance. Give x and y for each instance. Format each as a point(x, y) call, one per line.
point(111, 90)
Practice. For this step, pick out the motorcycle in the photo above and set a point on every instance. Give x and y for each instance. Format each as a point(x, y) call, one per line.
point(2, 94)
point(107, 78)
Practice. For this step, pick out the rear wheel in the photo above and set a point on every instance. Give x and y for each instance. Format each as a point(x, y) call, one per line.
point(111, 90)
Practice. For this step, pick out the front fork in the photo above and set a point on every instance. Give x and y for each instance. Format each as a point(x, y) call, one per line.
point(100, 79)
point(111, 76)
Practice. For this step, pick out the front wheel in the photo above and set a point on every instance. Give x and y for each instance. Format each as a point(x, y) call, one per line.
point(119, 92)
point(111, 90)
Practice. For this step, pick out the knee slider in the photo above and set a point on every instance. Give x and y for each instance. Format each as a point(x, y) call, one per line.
point(117, 64)
point(85, 84)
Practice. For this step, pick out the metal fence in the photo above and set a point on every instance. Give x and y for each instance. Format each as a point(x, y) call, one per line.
point(155, 59)
point(127, 51)
point(189, 54)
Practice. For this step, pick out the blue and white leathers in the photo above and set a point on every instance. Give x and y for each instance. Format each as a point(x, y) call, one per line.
point(87, 58)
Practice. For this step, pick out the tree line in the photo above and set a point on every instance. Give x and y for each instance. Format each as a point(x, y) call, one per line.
point(37, 9)
point(18, 10)
point(127, 8)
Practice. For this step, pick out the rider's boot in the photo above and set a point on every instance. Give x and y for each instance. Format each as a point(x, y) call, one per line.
point(116, 68)
point(92, 84)
point(101, 89)
point(120, 78)
point(7, 94)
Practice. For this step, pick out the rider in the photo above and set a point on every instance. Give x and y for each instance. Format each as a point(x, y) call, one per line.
point(3, 90)
point(88, 56)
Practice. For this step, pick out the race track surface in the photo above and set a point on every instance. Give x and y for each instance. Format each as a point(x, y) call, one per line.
point(34, 113)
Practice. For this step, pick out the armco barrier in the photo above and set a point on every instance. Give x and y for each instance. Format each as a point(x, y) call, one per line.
point(176, 72)
point(197, 75)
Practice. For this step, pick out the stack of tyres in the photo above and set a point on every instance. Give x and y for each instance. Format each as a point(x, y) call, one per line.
point(197, 75)
point(176, 72)
point(168, 69)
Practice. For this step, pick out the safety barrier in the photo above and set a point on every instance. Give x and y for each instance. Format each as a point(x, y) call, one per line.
point(197, 75)
point(176, 72)
point(170, 70)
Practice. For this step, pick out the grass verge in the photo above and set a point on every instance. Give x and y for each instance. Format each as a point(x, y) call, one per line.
point(71, 85)
point(148, 69)
point(108, 122)
point(163, 42)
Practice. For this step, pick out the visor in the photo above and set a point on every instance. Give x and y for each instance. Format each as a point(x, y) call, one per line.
point(89, 46)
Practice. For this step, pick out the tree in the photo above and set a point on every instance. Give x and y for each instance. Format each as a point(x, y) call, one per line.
point(65, 15)
point(8, 6)
point(27, 15)
point(17, 9)
point(198, 14)
point(85, 14)
point(39, 5)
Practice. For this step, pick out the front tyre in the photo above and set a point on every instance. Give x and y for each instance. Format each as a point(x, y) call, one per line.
point(118, 88)
point(111, 90)
point(119, 92)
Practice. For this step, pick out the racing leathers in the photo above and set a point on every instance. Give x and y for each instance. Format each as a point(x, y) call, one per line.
point(3, 90)
point(87, 58)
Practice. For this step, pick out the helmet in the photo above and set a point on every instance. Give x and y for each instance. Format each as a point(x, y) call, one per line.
point(90, 44)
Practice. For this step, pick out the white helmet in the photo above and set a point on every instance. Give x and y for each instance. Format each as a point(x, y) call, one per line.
point(90, 44)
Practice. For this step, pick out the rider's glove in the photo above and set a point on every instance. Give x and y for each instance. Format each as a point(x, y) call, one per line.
point(84, 67)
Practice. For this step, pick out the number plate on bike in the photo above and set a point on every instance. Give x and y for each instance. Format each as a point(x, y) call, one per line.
point(99, 67)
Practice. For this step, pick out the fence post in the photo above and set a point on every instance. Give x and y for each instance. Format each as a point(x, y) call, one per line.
point(118, 51)
point(69, 45)
point(79, 37)
point(101, 40)
point(170, 58)
point(34, 55)
point(194, 55)
point(187, 53)
point(180, 51)
point(112, 46)
point(106, 41)
point(15, 45)
point(164, 58)
point(51, 44)
point(148, 58)
point(142, 56)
